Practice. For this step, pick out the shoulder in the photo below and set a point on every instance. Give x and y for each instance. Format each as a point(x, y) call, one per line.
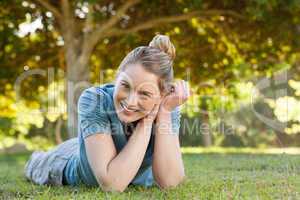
point(96, 96)
point(103, 91)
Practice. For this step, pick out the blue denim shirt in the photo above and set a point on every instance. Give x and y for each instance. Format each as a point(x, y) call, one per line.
point(97, 115)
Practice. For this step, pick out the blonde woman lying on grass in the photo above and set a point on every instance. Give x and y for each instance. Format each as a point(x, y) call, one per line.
point(128, 130)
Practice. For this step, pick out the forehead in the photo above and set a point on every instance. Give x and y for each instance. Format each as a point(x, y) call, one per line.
point(137, 76)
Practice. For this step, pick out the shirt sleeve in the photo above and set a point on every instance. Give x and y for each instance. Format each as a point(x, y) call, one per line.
point(175, 118)
point(92, 114)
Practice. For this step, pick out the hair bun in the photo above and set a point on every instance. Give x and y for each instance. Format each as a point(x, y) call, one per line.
point(163, 43)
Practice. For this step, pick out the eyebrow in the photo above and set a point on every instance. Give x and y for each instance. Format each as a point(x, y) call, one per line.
point(124, 81)
point(141, 90)
point(147, 92)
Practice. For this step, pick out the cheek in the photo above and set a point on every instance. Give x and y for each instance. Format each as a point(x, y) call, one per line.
point(120, 95)
point(149, 104)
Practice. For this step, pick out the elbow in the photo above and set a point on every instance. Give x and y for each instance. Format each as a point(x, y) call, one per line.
point(108, 185)
point(170, 181)
point(108, 188)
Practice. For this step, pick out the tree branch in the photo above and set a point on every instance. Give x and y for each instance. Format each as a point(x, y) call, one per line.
point(91, 38)
point(49, 7)
point(223, 12)
point(69, 32)
point(116, 18)
point(67, 14)
point(95, 35)
point(171, 19)
point(152, 23)
point(109, 31)
point(67, 26)
point(88, 25)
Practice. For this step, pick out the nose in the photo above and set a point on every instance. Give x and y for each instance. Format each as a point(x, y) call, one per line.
point(132, 100)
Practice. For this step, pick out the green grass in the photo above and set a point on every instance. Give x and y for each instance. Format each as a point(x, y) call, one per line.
point(209, 176)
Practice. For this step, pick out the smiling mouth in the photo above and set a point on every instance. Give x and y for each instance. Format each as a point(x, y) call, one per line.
point(126, 109)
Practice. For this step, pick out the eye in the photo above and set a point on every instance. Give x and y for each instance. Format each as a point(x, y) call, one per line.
point(145, 94)
point(125, 85)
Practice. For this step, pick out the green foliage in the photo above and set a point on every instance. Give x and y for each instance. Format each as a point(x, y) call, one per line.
point(17, 118)
point(229, 44)
point(287, 108)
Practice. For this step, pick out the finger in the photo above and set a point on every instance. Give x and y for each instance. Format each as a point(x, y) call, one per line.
point(177, 88)
point(155, 110)
point(191, 91)
point(187, 89)
point(182, 92)
point(183, 88)
point(186, 92)
point(178, 91)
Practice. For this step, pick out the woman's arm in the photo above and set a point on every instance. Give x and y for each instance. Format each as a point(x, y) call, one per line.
point(168, 168)
point(115, 171)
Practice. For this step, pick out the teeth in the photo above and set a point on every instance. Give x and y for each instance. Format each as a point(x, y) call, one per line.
point(123, 106)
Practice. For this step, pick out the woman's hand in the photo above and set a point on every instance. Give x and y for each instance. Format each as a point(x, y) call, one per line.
point(148, 119)
point(178, 95)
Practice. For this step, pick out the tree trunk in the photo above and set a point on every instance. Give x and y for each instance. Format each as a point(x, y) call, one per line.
point(77, 81)
point(79, 45)
point(206, 135)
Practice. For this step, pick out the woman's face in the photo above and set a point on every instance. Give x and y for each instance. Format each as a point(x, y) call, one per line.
point(136, 93)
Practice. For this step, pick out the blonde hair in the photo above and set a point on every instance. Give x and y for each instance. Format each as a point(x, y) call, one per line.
point(156, 58)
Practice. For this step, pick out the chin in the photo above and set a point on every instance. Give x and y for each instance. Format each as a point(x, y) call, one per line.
point(128, 119)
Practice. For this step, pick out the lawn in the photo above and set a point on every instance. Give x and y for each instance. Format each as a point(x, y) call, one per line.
point(209, 176)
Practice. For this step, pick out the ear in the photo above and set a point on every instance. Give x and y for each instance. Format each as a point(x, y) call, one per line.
point(169, 89)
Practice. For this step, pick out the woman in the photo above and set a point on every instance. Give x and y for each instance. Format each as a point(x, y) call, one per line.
point(128, 131)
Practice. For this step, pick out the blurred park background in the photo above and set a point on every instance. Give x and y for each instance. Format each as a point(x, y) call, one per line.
point(241, 58)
